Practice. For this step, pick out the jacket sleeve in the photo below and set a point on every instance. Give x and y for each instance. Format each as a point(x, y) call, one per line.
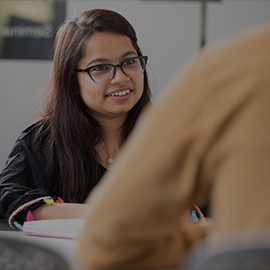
point(22, 180)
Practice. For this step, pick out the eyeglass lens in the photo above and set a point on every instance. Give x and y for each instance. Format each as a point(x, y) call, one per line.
point(132, 68)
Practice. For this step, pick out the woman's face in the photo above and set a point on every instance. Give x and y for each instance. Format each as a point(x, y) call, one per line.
point(119, 96)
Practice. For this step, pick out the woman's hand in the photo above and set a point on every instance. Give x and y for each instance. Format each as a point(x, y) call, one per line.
point(60, 211)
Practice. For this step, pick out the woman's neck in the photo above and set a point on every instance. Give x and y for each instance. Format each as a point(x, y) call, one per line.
point(112, 127)
point(111, 142)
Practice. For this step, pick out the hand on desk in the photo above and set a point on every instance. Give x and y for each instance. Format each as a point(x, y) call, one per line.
point(60, 210)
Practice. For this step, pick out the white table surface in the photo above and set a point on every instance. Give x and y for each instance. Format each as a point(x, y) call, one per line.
point(66, 247)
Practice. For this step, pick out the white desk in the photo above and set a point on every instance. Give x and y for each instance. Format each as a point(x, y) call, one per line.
point(66, 247)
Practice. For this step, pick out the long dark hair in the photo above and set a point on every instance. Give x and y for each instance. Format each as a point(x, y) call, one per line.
point(72, 166)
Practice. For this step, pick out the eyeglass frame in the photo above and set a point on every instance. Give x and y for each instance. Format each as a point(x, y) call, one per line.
point(87, 70)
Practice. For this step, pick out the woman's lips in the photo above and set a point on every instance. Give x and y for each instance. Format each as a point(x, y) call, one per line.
point(120, 95)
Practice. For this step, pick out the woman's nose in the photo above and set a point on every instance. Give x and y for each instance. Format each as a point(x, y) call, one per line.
point(119, 76)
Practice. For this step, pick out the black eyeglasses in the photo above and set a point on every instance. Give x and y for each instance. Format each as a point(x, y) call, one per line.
point(104, 73)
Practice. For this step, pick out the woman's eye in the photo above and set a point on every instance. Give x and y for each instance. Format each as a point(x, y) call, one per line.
point(130, 62)
point(99, 68)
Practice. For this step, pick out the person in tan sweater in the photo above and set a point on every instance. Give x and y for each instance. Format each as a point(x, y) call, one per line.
point(206, 140)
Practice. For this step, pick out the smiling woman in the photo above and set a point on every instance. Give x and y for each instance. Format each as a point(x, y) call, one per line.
point(112, 90)
point(98, 88)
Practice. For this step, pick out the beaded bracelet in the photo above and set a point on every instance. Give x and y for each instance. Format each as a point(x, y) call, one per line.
point(21, 208)
point(199, 212)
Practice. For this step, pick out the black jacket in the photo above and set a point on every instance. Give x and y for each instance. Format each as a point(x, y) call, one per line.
point(23, 177)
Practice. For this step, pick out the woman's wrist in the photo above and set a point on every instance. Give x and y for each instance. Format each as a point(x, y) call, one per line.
point(59, 211)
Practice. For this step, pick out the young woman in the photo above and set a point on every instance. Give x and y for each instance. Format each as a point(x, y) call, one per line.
point(98, 88)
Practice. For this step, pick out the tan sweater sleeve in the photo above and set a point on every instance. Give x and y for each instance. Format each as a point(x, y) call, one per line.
point(204, 141)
